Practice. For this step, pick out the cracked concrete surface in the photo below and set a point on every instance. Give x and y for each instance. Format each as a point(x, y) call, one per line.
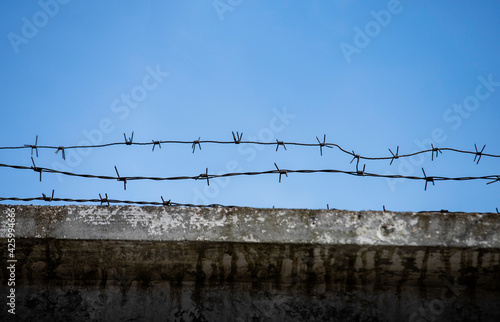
point(93, 263)
point(258, 225)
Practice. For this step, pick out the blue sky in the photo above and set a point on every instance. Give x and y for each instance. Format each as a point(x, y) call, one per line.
point(371, 75)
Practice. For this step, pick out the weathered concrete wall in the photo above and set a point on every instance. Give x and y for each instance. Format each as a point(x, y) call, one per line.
point(79, 263)
point(250, 225)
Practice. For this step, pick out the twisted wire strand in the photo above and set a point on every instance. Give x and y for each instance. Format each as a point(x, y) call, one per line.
point(207, 176)
point(106, 201)
point(237, 139)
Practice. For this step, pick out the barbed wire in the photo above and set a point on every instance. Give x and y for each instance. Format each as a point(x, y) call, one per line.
point(237, 139)
point(206, 176)
point(106, 201)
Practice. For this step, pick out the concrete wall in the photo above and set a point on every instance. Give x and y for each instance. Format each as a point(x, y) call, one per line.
point(93, 263)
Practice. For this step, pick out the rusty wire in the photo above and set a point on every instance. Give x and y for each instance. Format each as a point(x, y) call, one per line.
point(237, 139)
point(207, 176)
point(107, 201)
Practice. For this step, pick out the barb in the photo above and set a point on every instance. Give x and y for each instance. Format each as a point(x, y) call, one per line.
point(322, 144)
point(496, 180)
point(166, 203)
point(195, 143)
point(204, 175)
point(121, 179)
point(36, 169)
point(394, 156)
point(45, 198)
point(490, 178)
point(61, 148)
point(105, 200)
point(237, 139)
point(130, 139)
point(427, 179)
point(278, 143)
point(156, 143)
point(361, 173)
point(33, 147)
point(478, 153)
point(355, 157)
point(285, 172)
point(435, 150)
